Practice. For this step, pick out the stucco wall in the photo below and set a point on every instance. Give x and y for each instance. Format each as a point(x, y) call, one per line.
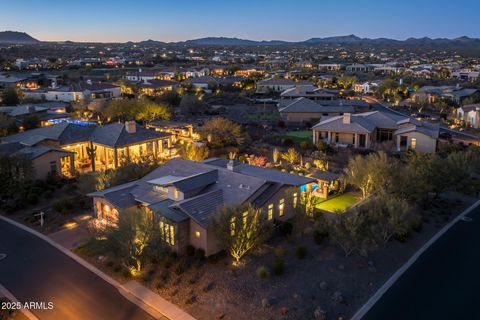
point(41, 165)
point(425, 143)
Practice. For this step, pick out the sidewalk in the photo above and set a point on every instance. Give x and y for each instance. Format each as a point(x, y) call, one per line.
point(170, 310)
point(152, 303)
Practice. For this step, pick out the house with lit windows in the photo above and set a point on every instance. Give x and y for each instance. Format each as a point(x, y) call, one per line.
point(369, 129)
point(183, 195)
point(97, 147)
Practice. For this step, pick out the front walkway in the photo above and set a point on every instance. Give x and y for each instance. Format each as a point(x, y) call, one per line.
point(73, 234)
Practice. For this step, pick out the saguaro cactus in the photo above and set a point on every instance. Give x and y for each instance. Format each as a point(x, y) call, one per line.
point(91, 150)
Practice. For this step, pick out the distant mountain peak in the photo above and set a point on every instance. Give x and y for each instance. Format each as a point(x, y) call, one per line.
point(16, 37)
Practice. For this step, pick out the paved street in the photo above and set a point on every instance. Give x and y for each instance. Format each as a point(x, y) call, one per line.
point(35, 271)
point(444, 283)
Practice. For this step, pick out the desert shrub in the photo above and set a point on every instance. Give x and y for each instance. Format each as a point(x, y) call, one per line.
point(319, 236)
point(179, 269)
point(279, 252)
point(417, 223)
point(278, 266)
point(288, 142)
point(32, 198)
point(200, 254)
point(304, 145)
point(401, 236)
point(91, 248)
point(262, 272)
point(301, 252)
point(285, 228)
point(190, 250)
point(62, 206)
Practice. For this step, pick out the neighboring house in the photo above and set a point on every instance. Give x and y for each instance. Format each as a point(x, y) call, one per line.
point(156, 87)
point(112, 144)
point(247, 71)
point(470, 114)
point(330, 66)
point(46, 160)
point(310, 92)
point(274, 85)
point(466, 75)
point(180, 131)
point(83, 91)
point(185, 194)
point(33, 80)
point(358, 67)
point(368, 129)
point(210, 82)
point(45, 112)
point(306, 110)
point(365, 88)
point(137, 76)
point(31, 64)
point(455, 93)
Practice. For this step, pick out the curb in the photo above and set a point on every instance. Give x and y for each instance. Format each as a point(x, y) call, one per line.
point(391, 281)
point(150, 309)
point(12, 298)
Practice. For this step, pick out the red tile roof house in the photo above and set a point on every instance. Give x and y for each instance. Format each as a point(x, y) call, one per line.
point(185, 194)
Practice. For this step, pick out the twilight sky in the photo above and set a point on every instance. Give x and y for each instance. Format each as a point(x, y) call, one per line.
point(293, 20)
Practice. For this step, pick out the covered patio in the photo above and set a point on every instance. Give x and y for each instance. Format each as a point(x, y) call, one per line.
point(329, 183)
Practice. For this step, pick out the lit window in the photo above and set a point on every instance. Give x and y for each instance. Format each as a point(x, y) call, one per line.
point(175, 193)
point(281, 207)
point(167, 233)
point(197, 234)
point(295, 200)
point(270, 211)
point(414, 143)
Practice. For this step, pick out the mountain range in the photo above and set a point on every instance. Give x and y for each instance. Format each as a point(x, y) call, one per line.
point(349, 40)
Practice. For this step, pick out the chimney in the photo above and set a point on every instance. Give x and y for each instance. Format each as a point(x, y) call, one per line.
point(130, 126)
point(232, 166)
point(347, 118)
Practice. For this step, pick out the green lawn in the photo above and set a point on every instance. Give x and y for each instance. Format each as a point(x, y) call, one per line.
point(298, 136)
point(338, 203)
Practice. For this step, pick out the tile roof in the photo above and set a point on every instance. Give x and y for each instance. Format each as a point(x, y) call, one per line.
point(209, 183)
point(304, 105)
point(30, 152)
point(367, 122)
point(201, 207)
point(112, 135)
